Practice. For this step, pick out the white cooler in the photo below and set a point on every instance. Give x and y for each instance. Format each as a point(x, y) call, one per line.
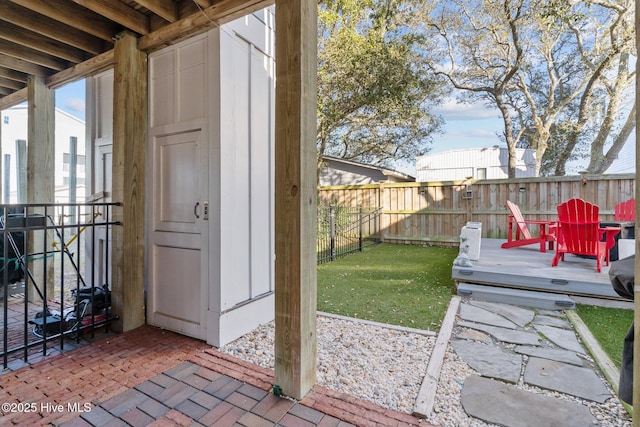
point(473, 232)
point(626, 248)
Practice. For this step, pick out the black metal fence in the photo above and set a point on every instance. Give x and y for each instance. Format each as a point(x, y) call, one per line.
point(54, 275)
point(344, 230)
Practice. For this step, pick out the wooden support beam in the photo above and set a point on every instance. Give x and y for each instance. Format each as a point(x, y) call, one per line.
point(119, 12)
point(46, 26)
point(221, 12)
point(636, 281)
point(15, 98)
point(167, 9)
point(91, 66)
point(73, 15)
point(295, 199)
point(128, 175)
point(40, 43)
point(40, 172)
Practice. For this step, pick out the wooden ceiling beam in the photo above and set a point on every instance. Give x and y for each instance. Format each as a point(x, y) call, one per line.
point(220, 13)
point(29, 39)
point(11, 84)
point(14, 98)
point(5, 91)
point(73, 15)
point(119, 12)
point(13, 75)
point(24, 66)
point(89, 67)
point(33, 56)
point(166, 9)
point(55, 30)
point(203, 3)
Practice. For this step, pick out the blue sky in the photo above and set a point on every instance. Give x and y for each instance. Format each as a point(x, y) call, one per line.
point(467, 126)
point(71, 99)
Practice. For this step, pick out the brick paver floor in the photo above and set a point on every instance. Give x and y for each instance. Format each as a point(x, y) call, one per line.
point(149, 376)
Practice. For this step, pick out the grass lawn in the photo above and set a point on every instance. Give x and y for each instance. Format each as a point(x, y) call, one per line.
point(396, 284)
point(411, 286)
point(608, 326)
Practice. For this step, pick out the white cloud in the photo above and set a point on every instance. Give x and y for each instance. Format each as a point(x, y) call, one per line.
point(452, 110)
point(75, 104)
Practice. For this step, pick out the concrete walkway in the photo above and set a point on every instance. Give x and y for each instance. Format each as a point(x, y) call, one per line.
point(509, 345)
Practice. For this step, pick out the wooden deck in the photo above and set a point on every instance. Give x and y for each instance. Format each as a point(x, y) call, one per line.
point(529, 269)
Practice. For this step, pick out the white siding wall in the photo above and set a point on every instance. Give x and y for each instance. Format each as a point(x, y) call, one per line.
point(66, 126)
point(459, 164)
point(246, 174)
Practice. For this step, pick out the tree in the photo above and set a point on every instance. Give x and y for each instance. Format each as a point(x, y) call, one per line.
point(599, 38)
point(481, 53)
point(547, 65)
point(374, 93)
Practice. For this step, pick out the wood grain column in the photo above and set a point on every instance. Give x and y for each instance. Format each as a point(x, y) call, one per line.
point(295, 198)
point(636, 279)
point(129, 145)
point(40, 174)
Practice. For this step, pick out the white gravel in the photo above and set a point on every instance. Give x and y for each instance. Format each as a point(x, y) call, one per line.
point(387, 366)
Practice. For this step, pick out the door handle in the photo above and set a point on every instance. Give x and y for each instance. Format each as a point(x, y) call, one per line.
point(195, 210)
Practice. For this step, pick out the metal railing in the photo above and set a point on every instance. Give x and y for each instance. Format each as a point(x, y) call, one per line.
point(54, 275)
point(344, 230)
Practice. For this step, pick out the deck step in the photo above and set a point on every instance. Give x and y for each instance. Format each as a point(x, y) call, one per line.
point(536, 299)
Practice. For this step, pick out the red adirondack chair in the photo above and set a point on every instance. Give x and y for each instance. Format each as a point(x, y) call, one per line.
point(521, 236)
point(625, 211)
point(579, 232)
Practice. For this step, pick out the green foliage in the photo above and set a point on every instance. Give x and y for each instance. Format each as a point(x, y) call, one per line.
point(560, 73)
point(395, 284)
point(374, 94)
point(609, 326)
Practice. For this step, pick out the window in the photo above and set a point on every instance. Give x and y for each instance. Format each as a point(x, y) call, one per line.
point(481, 173)
point(6, 120)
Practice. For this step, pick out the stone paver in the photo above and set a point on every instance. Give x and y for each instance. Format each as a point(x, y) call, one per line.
point(480, 315)
point(502, 404)
point(552, 321)
point(561, 337)
point(568, 379)
point(560, 355)
point(518, 315)
point(489, 360)
point(506, 335)
point(554, 363)
point(472, 334)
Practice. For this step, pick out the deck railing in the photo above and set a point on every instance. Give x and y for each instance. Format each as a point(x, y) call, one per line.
point(54, 275)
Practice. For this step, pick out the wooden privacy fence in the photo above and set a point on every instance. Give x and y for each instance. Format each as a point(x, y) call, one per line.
point(435, 212)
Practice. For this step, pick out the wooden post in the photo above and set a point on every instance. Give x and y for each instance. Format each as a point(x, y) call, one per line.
point(40, 172)
point(295, 198)
point(129, 142)
point(636, 286)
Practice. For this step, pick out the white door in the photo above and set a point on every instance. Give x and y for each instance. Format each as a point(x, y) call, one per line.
point(177, 250)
